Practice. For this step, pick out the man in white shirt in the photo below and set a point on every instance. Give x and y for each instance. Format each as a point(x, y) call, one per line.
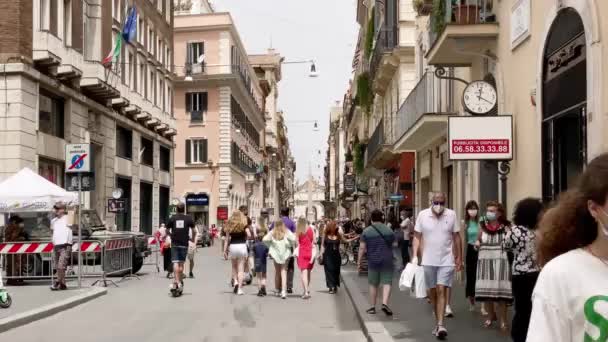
point(62, 242)
point(406, 225)
point(441, 254)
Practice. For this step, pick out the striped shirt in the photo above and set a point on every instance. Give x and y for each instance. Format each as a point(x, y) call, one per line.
point(378, 243)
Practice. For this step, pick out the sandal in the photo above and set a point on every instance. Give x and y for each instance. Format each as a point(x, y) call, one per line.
point(371, 311)
point(387, 310)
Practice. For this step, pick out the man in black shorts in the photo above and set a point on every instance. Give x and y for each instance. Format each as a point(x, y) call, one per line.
point(179, 227)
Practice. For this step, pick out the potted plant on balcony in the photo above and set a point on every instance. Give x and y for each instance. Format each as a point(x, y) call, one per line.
point(423, 7)
point(438, 16)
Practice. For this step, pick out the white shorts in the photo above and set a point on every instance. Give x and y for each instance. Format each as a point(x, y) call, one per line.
point(238, 251)
point(436, 275)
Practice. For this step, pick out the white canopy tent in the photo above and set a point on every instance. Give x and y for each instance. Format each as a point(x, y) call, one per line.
point(26, 191)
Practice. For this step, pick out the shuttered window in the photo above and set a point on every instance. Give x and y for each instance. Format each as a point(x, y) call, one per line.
point(196, 151)
point(196, 105)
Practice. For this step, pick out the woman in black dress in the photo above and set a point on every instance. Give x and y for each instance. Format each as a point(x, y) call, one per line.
point(331, 255)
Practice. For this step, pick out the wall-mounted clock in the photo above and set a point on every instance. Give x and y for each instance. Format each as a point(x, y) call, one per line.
point(479, 98)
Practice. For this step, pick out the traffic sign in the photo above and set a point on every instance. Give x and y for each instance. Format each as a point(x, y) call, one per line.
point(77, 158)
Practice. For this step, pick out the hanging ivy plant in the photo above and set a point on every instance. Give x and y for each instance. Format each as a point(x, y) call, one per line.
point(358, 162)
point(365, 96)
point(369, 36)
point(438, 16)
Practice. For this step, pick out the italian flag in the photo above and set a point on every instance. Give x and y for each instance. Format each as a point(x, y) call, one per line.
point(112, 57)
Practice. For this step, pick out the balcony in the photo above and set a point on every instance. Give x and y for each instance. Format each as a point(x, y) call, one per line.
point(384, 61)
point(423, 116)
point(379, 152)
point(469, 28)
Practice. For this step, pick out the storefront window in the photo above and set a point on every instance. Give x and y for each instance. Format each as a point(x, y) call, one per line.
point(51, 170)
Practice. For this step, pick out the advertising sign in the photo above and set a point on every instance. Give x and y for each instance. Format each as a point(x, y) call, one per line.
point(116, 205)
point(222, 213)
point(480, 137)
point(77, 158)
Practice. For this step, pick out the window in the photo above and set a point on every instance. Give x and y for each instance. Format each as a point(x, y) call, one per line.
point(149, 39)
point(196, 105)
point(124, 142)
point(51, 115)
point(54, 14)
point(167, 10)
point(170, 100)
point(146, 152)
point(165, 158)
point(162, 94)
point(142, 78)
point(140, 30)
point(116, 9)
point(167, 59)
point(194, 51)
point(51, 170)
point(67, 22)
point(196, 151)
point(151, 85)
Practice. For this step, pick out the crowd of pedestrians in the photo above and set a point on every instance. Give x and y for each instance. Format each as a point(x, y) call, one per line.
point(547, 264)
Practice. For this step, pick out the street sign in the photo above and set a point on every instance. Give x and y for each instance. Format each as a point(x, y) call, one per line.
point(480, 137)
point(117, 205)
point(396, 197)
point(87, 181)
point(77, 158)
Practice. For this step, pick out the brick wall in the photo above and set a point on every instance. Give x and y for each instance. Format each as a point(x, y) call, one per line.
point(15, 29)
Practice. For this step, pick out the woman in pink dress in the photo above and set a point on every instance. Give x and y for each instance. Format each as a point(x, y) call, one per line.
point(306, 253)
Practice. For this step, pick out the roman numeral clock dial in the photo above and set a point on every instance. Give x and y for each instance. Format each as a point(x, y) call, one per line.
point(479, 98)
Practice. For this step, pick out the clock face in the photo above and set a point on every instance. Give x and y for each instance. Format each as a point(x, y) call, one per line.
point(479, 97)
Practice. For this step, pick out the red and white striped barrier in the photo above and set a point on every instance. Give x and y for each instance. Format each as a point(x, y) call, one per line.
point(44, 247)
point(119, 244)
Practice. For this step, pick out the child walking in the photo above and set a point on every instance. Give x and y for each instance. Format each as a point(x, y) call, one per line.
point(260, 254)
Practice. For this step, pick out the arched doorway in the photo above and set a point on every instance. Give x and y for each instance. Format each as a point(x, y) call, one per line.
point(564, 125)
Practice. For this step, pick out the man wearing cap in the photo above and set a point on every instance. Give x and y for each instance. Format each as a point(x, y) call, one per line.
point(62, 242)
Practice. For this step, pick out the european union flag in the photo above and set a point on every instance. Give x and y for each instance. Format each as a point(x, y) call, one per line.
point(130, 27)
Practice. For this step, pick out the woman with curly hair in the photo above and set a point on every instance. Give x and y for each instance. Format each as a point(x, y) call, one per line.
point(493, 281)
point(571, 294)
point(521, 240)
point(237, 233)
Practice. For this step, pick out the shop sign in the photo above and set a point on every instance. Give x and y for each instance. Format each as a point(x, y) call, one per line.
point(520, 22)
point(198, 200)
point(396, 197)
point(222, 213)
point(349, 184)
point(480, 137)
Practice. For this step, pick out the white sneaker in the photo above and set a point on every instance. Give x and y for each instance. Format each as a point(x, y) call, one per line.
point(283, 295)
point(240, 292)
point(448, 312)
point(442, 333)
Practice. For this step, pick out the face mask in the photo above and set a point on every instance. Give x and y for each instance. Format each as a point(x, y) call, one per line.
point(437, 208)
point(491, 216)
point(472, 212)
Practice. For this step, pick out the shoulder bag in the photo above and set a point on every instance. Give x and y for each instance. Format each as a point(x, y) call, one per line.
point(388, 243)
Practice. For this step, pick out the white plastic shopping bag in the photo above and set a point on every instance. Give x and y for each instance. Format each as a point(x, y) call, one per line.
point(420, 285)
point(407, 277)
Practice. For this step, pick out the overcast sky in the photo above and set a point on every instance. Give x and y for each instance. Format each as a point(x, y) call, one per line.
point(323, 30)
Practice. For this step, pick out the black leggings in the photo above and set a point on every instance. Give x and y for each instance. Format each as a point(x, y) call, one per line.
point(523, 286)
point(471, 270)
point(405, 252)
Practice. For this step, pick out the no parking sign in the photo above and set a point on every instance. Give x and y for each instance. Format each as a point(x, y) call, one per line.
point(77, 158)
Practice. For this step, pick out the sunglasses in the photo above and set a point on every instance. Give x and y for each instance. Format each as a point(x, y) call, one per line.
point(438, 203)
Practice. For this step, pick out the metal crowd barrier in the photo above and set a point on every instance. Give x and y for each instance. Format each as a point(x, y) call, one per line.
point(34, 260)
point(154, 257)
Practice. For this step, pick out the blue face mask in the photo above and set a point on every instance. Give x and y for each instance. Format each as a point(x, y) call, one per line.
point(491, 216)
